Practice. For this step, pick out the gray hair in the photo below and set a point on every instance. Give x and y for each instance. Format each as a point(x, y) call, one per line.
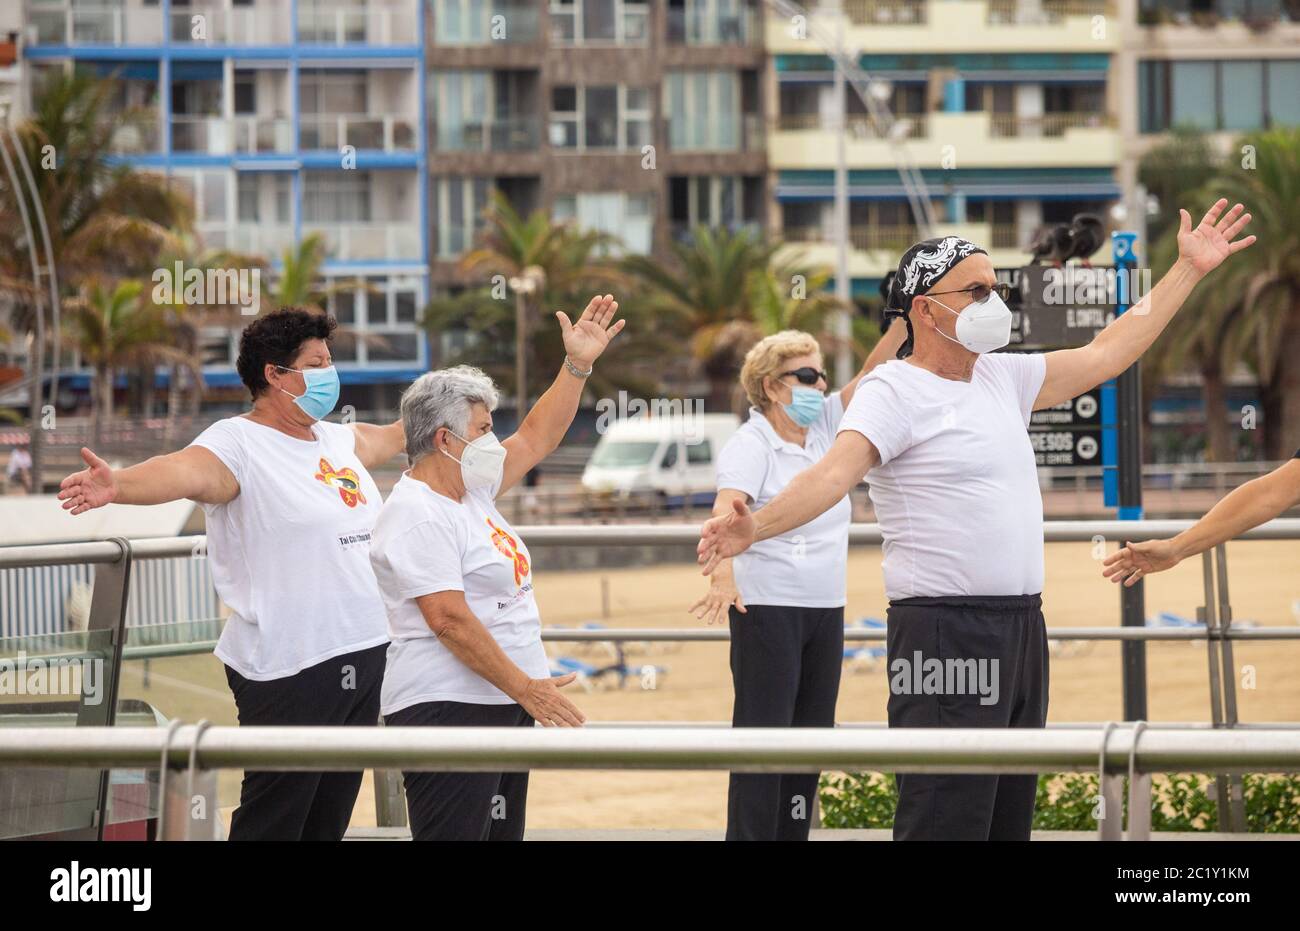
point(442, 399)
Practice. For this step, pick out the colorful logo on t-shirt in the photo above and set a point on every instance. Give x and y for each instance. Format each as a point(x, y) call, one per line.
point(510, 550)
point(345, 480)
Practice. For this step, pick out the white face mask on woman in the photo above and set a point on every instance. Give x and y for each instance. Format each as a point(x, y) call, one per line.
point(481, 462)
point(983, 326)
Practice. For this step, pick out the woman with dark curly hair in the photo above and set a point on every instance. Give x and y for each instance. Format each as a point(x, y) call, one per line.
point(290, 507)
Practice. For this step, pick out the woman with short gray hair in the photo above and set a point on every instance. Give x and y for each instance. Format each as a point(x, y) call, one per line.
point(457, 581)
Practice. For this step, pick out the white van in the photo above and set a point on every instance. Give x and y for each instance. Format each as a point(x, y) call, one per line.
point(673, 457)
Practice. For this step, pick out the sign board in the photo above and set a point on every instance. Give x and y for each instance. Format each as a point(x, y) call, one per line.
point(1066, 447)
point(1083, 411)
point(1061, 308)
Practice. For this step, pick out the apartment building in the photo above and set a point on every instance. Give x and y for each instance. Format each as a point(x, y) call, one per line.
point(282, 118)
point(640, 119)
point(1007, 108)
point(1227, 67)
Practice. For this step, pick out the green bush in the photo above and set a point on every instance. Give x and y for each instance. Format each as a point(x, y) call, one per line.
point(1067, 802)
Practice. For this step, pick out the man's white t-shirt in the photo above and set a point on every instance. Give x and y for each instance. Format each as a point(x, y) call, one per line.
point(290, 555)
point(427, 543)
point(956, 491)
point(804, 566)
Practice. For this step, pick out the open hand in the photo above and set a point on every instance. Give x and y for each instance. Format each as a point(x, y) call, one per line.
point(1135, 560)
point(727, 535)
point(713, 605)
point(543, 701)
point(587, 338)
point(90, 488)
point(1212, 241)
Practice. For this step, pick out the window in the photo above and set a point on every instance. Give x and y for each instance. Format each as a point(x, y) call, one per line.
point(610, 116)
point(336, 197)
point(245, 93)
point(703, 110)
point(477, 22)
point(670, 455)
point(599, 22)
point(370, 333)
point(458, 205)
point(708, 200)
point(332, 92)
point(460, 101)
point(629, 218)
point(699, 453)
point(1230, 96)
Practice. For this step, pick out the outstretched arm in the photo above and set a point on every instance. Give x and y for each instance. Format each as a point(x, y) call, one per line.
point(1246, 506)
point(193, 472)
point(377, 444)
point(544, 427)
point(1070, 372)
point(810, 493)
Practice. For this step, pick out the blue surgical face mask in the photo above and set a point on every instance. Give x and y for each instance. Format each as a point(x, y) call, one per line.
point(322, 391)
point(805, 405)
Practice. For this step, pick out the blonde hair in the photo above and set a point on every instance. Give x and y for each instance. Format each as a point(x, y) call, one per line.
point(768, 358)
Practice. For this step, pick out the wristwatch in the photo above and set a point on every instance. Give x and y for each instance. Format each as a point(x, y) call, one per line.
point(574, 370)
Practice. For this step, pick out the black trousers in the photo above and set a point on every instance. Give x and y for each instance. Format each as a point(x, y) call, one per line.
point(785, 665)
point(992, 654)
point(464, 806)
point(305, 806)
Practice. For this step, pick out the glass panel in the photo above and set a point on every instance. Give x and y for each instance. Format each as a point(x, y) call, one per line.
point(1243, 94)
point(1192, 92)
point(601, 117)
point(1283, 96)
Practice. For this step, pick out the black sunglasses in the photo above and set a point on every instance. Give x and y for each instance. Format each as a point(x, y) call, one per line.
point(808, 375)
point(980, 292)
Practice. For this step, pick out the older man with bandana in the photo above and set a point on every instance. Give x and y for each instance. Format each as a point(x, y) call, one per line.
point(943, 436)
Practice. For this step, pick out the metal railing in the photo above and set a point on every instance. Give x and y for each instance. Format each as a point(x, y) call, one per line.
point(106, 640)
point(1112, 750)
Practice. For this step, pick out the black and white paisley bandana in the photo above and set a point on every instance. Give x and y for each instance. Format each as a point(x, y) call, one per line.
point(921, 266)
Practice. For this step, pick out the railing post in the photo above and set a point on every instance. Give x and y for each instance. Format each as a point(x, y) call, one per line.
point(1110, 786)
point(1236, 799)
point(1206, 614)
point(105, 636)
point(1139, 793)
point(390, 797)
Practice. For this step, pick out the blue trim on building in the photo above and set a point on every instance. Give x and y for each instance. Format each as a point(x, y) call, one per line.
point(167, 60)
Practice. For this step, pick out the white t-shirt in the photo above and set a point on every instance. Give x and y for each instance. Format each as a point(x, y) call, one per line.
point(290, 555)
point(804, 566)
point(427, 543)
point(956, 492)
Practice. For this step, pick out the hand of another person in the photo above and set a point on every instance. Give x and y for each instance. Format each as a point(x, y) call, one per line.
point(1135, 560)
point(712, 606)
point(727, 535)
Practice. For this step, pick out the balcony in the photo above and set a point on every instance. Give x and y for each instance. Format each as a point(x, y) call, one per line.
point(949, 26)
point(217, 22)
point(699, 27)
point(66, 24)
point(363, 242)
point(215, 135)
point(375, 24)
point(975, 140)
point(520, 23)
point(369, 133)
point(135, 139)
point(506, 134)
point(262, 239)
point(738, 132)
point(630, 27)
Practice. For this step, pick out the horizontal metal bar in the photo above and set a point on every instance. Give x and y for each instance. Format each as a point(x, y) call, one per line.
point(488, 749)
point(722, 635)
point(1056, 531)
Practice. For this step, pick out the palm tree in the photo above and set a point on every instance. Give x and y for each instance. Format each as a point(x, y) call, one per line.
point(1266, 278)
point(185, 322)
point(113, 329)
point(105, 220)
point(728, 290)
point(573, 263)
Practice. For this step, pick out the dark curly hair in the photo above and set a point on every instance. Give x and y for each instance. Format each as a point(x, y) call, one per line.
point(277, 339)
